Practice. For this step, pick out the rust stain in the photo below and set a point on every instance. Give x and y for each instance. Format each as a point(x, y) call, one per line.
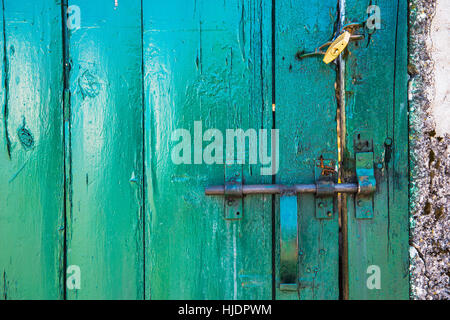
point(326, 170)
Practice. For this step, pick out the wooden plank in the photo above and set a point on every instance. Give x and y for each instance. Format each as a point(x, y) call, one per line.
point(205, 61)
point(306, 116)
point(376, 101)
point(31, 151)
point(104, 236)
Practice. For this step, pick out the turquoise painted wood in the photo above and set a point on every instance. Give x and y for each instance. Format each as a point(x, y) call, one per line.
point(210, 62)
point(376, 102)
point(105, 210)
point(92, 125)
point(31, 151)
point(306, 117)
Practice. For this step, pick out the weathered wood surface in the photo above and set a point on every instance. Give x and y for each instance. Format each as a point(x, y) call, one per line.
point(31, 151)
point(376, 102)
point(205, 61)
point(140, 226)
point(104, 217)
point(306, 116)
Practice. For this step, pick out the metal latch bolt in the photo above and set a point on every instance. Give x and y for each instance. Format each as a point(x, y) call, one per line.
point(324, 188)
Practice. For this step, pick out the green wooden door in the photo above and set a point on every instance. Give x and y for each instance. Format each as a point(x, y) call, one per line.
point(116, 118)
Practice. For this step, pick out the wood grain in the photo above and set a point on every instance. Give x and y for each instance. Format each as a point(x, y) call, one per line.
point(31, 151)
point(376, 102)
point(306, 117)
point(205, 61)
point(105, 221)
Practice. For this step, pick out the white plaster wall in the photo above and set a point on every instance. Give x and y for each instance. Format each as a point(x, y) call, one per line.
point(440, 52)
point(429, 137)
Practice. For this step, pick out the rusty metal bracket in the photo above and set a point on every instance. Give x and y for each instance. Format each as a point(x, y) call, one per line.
point(365, 174)
point(325, 175)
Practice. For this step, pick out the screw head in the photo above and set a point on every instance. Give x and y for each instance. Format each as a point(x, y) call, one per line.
point(388, 141)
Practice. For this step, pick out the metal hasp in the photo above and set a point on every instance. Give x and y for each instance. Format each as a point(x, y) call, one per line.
point(288, 242)
point(366, 185)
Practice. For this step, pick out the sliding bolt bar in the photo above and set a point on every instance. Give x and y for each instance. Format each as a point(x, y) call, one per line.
point(279, 189)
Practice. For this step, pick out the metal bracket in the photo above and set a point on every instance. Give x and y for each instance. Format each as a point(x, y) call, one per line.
point(365, 174)
point(324, 172)
point(288, 242)
point(233, 197)
point(366, 185)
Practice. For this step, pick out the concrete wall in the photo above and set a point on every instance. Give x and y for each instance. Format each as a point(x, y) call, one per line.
point(429, 69)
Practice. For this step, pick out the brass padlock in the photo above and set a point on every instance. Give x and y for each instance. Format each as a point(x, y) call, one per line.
point(336, 47)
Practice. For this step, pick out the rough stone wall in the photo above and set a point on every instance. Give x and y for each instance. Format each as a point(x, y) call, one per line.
point(429, 99)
